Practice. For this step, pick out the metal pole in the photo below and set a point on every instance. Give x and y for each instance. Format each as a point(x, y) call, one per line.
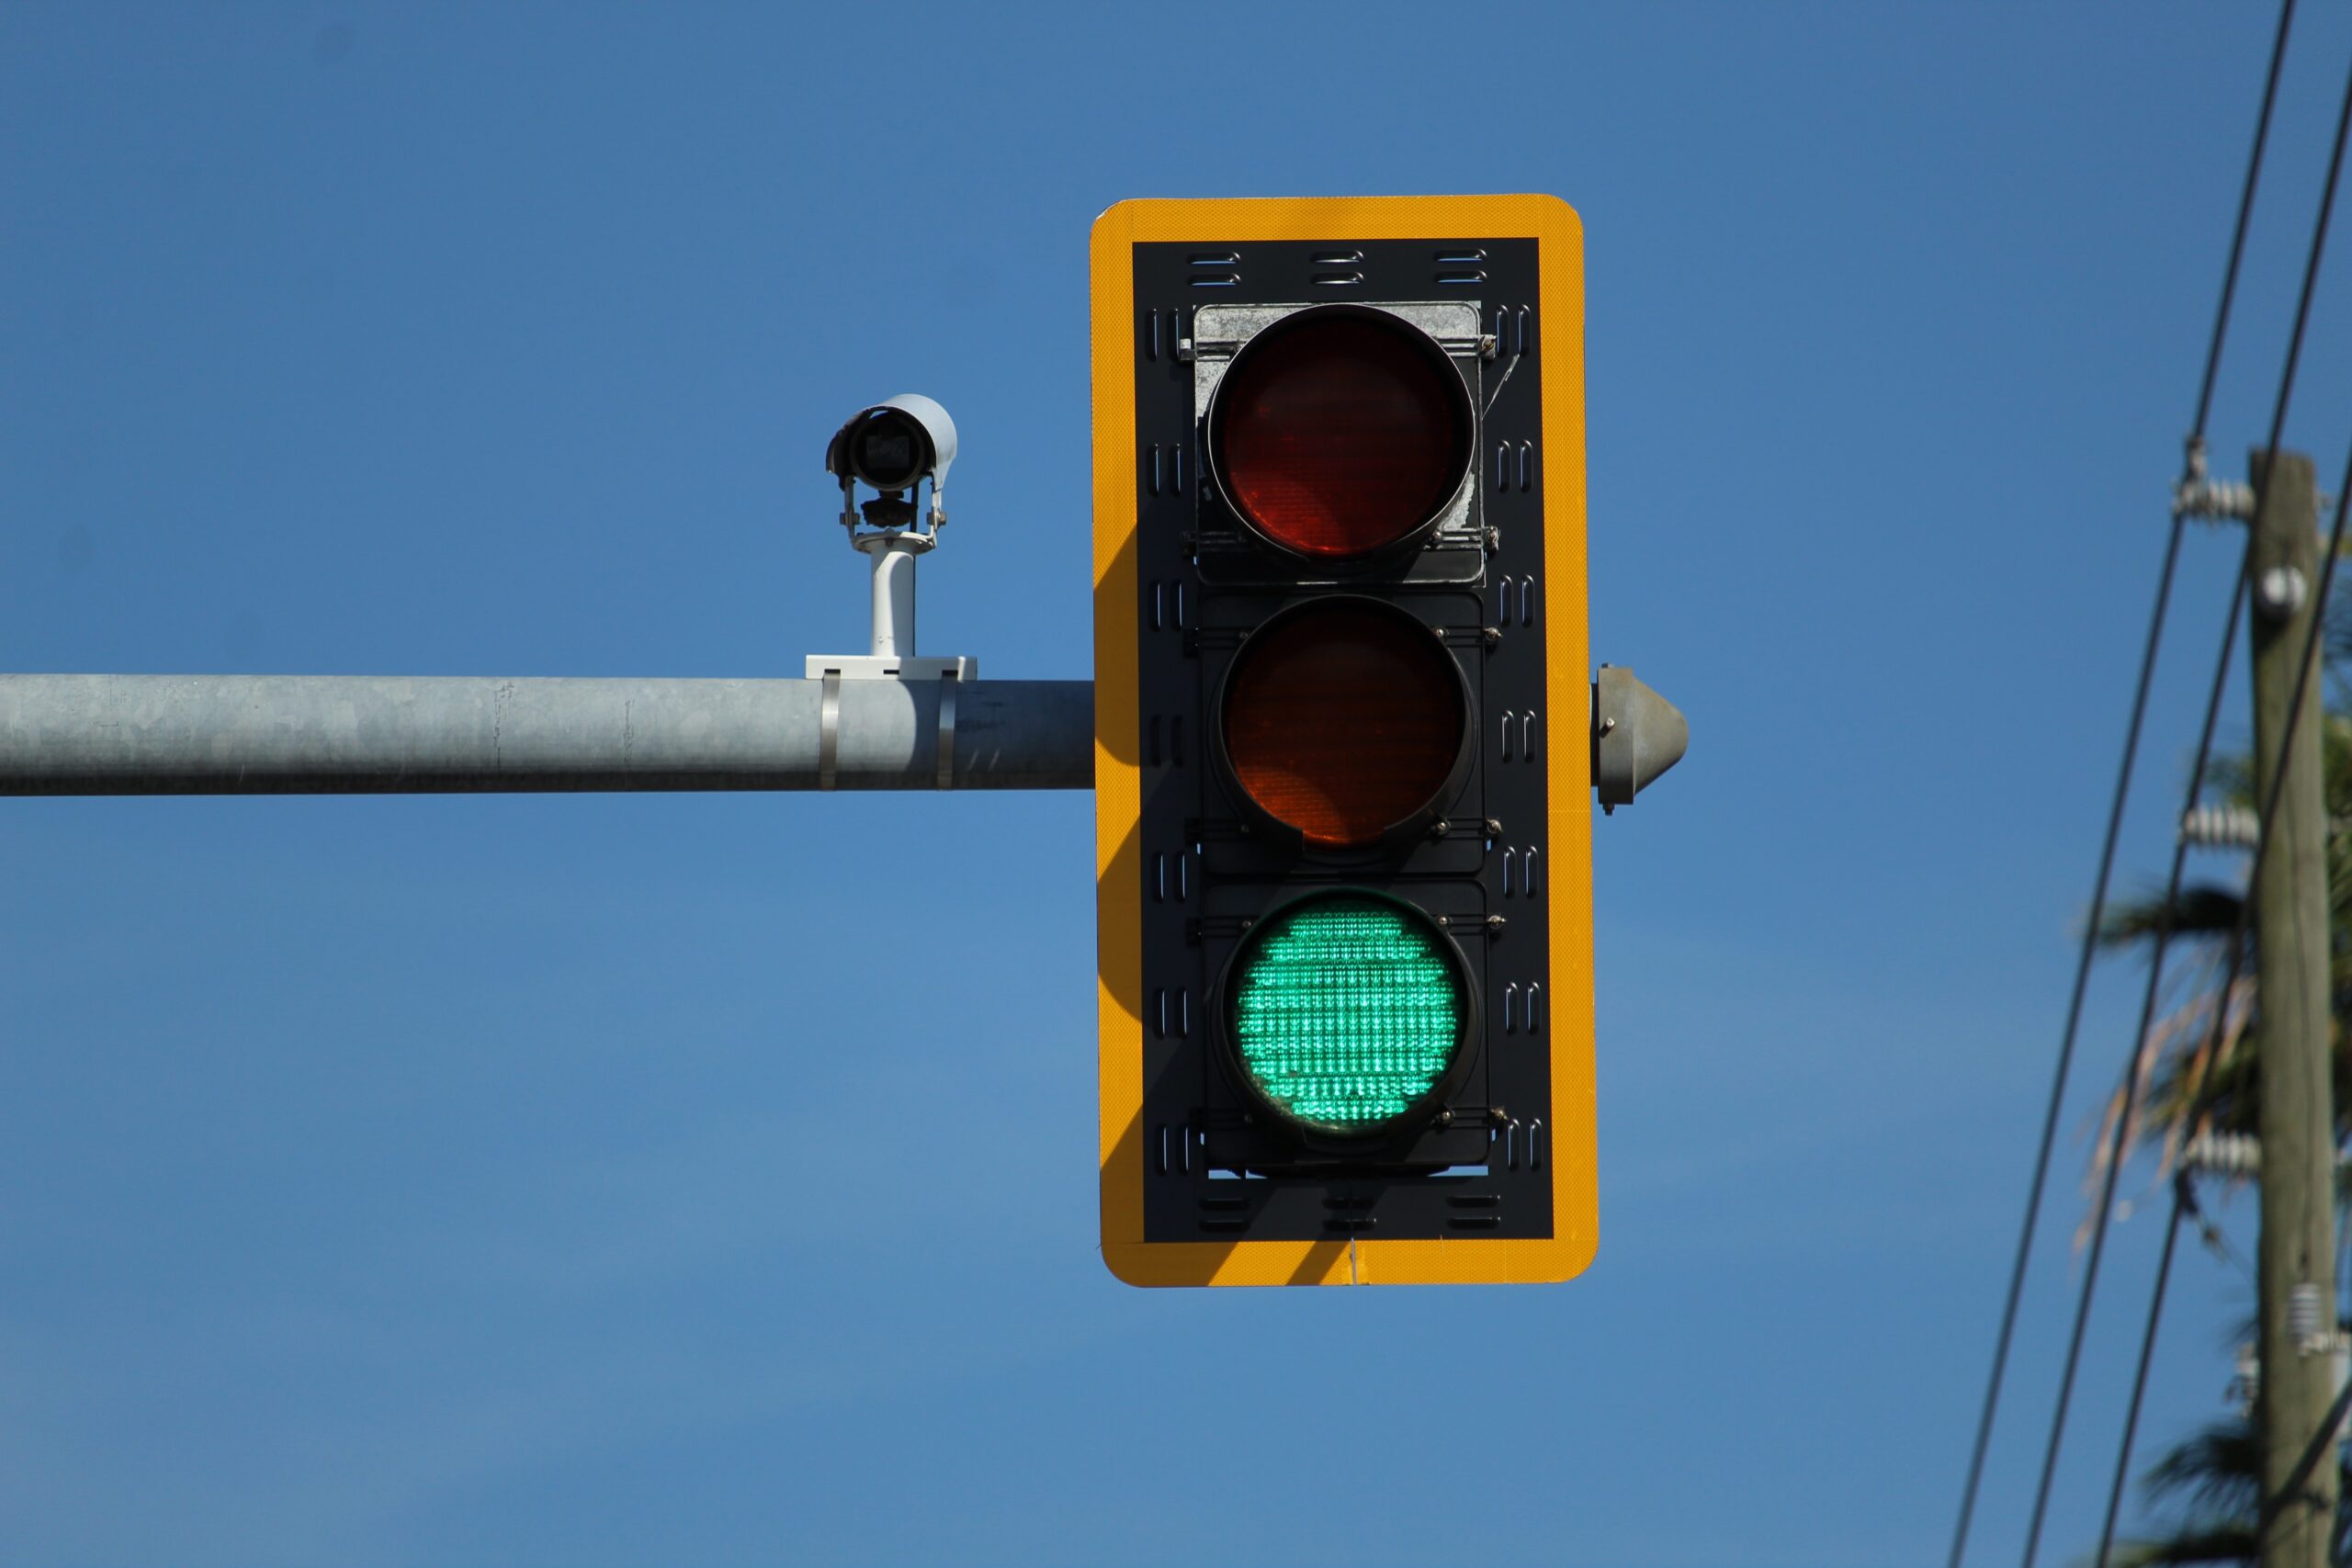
point(332, 734)
point(894, 590)
point(2297, 1261)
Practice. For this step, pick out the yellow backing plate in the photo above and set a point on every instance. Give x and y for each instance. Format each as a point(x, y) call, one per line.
point(1118, 866)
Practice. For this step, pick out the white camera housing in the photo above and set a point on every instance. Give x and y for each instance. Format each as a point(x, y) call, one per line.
point(895, 445)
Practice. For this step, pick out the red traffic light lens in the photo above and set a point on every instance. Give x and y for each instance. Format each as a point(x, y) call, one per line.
point(1345, 719)
point(1340, 431)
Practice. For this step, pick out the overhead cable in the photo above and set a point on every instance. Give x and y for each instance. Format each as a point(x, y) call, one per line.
point(2115, 811)
point(2115, 1153)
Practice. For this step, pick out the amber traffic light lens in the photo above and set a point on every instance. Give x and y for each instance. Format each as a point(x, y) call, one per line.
point(1340, 431)
point(1344, 719)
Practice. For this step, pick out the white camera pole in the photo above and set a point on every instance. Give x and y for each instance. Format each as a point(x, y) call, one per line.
point(894, 558)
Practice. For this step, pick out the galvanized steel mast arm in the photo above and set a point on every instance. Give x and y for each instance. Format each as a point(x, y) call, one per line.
point(332, 734)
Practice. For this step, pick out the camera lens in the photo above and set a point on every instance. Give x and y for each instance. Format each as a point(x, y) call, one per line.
point(888, 450)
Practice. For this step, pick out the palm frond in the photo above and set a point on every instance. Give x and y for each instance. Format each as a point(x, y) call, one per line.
point(2217, 1471)
point(2198, 912)
point(2215, 1543)
point(2194, 1073)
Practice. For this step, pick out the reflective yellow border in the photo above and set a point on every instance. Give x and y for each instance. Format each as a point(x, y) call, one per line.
point(1118, 865)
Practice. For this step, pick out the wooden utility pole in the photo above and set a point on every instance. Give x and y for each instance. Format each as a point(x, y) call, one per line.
point(2293, 1027)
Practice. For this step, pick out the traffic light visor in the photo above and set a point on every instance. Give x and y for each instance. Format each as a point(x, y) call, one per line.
point(1345, 719)
point(1341, 432)
point(1348, 1010)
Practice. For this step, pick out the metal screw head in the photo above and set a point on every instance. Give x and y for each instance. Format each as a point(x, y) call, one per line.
point(1446, 1116)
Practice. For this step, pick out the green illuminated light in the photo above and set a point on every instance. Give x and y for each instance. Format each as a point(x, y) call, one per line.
point(1347, 1012)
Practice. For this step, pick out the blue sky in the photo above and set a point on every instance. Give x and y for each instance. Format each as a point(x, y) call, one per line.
point(550, 1180)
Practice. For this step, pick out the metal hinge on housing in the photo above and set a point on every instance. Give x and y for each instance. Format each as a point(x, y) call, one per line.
point(1223, 927)
point(1221, 640)
point(1492, 925)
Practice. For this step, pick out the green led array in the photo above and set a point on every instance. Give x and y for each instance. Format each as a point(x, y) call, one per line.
point(1347, 1012)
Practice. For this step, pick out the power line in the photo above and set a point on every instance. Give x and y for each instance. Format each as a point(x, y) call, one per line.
point(2237, 236)
point(2115, 811)
point(2180, 850)
point(2130, 1088)
point(2183, 1201)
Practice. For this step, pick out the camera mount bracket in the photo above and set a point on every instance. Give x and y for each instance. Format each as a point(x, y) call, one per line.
point(893, 447)
point(892, 656)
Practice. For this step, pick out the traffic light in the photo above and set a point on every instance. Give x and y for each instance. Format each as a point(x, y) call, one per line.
point(1343, 741)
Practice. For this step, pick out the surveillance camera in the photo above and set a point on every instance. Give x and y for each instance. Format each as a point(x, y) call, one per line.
point(894, 446)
